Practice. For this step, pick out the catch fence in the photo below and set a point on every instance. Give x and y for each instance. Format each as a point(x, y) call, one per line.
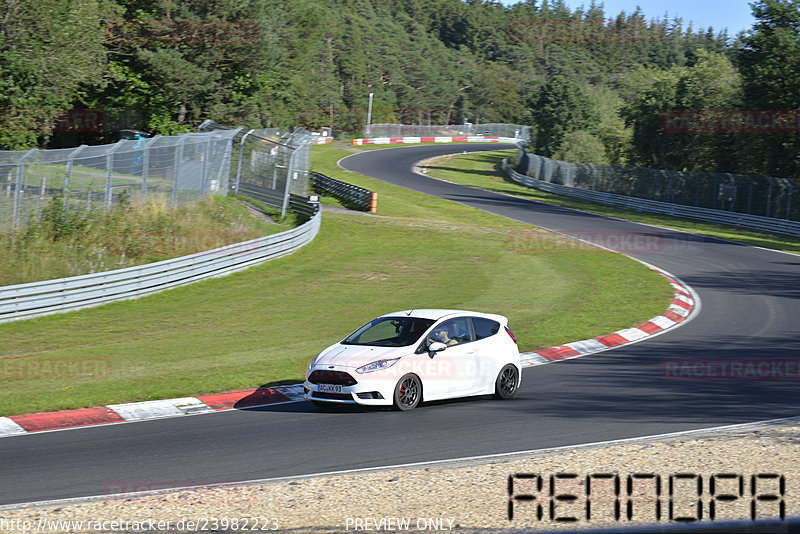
point(759, 195)
point(276, 165)
point(180, 169)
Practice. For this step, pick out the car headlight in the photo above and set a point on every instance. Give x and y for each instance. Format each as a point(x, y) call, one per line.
point(376, 366)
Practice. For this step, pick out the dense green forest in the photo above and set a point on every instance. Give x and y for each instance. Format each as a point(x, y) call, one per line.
point(594, 86)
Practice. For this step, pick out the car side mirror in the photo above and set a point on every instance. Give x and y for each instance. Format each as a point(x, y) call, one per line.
point(435, 347)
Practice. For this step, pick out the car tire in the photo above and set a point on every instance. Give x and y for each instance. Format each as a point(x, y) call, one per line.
point(506, 383)
point(407, 392)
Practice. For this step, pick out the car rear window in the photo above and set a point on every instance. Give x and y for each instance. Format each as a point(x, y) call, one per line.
point(485, 327)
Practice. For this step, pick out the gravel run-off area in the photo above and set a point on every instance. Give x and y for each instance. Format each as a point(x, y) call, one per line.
point(753, 466)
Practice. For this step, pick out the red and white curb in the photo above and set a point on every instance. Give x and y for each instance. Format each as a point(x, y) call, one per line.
point(684, 304)
point(141, 411)
point(434, 139)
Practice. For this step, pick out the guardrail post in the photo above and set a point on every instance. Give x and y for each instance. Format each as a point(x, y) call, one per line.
point(239, 165)
point(18, 190)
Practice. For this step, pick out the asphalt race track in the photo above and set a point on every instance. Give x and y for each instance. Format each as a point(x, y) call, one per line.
point(750, 309)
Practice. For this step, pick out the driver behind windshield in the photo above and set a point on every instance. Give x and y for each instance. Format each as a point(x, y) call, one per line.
point(441, 335)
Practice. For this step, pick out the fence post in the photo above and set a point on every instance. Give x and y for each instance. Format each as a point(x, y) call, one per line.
point(223, 176)
point(287, 187)
point(769, 196)
point(68, 179)
point(204, 173)
point(109, 172)
point(18, 190)
point(239, 165)
point(176, 171)
point(146, 164)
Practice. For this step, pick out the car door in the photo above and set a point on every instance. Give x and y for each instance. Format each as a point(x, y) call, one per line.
point(453, 372)
point(484, 332)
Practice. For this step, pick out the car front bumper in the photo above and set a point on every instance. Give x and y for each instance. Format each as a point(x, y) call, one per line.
point(371, 389)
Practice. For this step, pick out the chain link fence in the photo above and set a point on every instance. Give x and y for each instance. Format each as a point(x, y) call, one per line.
point(180, 169)
point(523, 133)
point(749, 194)
point(274, 166)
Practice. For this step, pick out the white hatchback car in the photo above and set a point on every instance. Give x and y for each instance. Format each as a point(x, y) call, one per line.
point(411, 356)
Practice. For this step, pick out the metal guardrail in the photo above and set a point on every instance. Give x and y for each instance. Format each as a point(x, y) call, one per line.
point(271, 197)
point(363, 198)
point(23, 301)
point(754, 222)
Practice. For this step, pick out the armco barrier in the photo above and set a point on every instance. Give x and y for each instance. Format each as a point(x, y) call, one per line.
point(23, 301)
point(297, 204)
point(754, 222)
point(363, 198)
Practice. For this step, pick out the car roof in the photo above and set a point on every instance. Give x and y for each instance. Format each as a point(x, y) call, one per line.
point(436, 314)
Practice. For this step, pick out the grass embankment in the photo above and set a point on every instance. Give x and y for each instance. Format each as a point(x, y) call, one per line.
point(482, 170)
point(74, 242)
point(261, 326)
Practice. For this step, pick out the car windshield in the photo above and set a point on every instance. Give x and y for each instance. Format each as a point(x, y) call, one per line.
point(390, 332)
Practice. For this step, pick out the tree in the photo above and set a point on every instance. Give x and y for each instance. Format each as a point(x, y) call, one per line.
point(559, 108)
point(769, 59)
point(192, 60)
point(711, 84)
point(50, 51)
point(581, 147)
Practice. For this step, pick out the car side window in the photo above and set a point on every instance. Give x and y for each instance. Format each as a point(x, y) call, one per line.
point(485, 327)
point(452, 332)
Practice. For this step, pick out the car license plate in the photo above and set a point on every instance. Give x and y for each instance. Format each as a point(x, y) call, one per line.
point(330, 388)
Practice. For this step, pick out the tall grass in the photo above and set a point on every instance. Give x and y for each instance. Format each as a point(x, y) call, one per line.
point(66, 242)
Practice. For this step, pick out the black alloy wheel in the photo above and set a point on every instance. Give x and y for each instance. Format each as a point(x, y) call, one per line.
point(408, 392)
point(506, 384)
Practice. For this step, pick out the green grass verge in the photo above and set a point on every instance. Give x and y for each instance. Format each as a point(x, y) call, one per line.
point(261, 326)
point(482, 170)
point(70, 242)
point(84, 177)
